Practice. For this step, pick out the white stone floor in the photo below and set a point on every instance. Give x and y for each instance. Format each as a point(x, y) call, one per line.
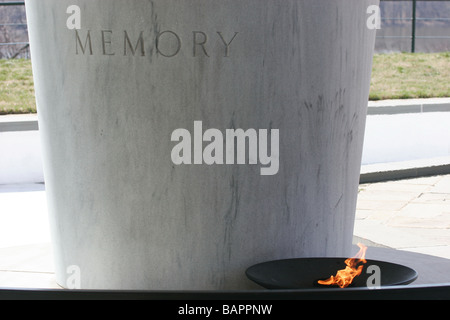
point(411, 214)
point(26, 259)
point(405, 220)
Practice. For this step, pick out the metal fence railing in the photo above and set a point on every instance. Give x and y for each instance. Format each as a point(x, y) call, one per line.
point(414, 19)
point(14, 34)
point(20, 47)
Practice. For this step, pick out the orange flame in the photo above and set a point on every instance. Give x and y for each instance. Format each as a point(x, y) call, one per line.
point(344, 277)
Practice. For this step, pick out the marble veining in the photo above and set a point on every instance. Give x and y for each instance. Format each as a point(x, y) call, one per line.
point(110, 94)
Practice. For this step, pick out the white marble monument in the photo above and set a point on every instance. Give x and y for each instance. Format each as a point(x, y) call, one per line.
point(184, 141)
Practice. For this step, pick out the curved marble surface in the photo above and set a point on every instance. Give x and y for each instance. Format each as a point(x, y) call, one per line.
point(110, 94)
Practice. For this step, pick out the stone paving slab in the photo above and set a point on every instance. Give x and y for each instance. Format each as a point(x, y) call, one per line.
point(29, 266)
point(411, 214)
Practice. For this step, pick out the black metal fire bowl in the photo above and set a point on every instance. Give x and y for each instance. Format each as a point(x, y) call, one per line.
point(303, 273)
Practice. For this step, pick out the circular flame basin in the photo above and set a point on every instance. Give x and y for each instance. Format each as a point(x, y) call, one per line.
point(304, 273)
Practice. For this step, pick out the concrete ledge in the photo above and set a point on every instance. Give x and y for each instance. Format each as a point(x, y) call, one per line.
point(19, 122)
point(399, 106)
point(291, 298)
point(404, 170)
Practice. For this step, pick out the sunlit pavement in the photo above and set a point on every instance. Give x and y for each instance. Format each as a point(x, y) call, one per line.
point(410, 214)
point(26, 259)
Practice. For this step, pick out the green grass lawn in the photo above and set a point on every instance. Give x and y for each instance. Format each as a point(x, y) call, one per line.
point(410, 75)
point(394, 76)
point(16, 87)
